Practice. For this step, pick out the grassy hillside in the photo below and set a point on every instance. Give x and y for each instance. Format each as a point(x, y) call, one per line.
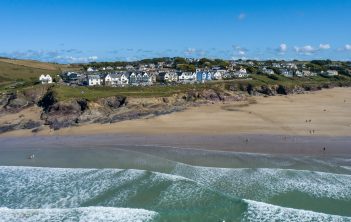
point(28, 70)
point(21, 70)
point(32, 64)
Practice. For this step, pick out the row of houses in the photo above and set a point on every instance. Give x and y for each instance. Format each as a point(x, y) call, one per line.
point(125, 78)
point(144, 78)
point(299, 73)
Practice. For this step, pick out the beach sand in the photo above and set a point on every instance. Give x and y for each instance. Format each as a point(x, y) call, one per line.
point(321, 113)
point(317, 123)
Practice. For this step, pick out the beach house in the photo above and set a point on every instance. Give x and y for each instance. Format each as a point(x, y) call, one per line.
point(203, 76)
point(287, 73)
point(167, 77)
point(332, 73)
point(186, 77)
point(94, 80)
point(45, 79)
point(241, 73)
point(218, 74)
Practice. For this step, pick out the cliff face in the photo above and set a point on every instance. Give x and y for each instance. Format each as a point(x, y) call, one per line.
point(118, 108)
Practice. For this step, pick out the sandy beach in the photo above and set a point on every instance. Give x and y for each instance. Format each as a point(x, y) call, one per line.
point(321, 113)
point(298, 124)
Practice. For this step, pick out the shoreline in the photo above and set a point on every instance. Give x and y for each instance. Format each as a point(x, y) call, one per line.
point(240, 143)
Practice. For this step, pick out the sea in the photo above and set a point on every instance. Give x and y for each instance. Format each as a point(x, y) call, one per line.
point(142, 183)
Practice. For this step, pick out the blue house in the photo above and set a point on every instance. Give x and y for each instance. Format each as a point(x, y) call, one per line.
point(202, 76)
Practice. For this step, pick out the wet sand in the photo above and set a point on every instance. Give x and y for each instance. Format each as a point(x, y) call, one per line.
point(246, 143)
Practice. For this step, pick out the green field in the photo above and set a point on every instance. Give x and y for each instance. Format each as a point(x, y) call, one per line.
point(15, 72)
point(94, 93)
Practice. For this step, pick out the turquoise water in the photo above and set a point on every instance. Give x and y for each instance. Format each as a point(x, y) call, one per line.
point(150, 183)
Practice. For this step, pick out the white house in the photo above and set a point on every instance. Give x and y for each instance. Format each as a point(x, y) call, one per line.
point(287, 73)
point(242, 73)
point(308, 73)
point(218, 74)
point(90, 69)
point(268, 71)
point(146, 79)
point(45, 79)
point(168, 77)
point(186, 77)
point(116, 79)
point(111, 79)
point(291, 66)
point(141, 78)
point(277, 65)
point(299, 73)
point(94, 80)
point(124, 79)
point(332, 73)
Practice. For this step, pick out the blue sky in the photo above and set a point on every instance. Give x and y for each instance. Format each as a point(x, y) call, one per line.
point(87, 30)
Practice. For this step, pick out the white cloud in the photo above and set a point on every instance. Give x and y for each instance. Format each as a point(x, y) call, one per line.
point(72, 59)
point(282, 48)
point(241, 16)
point(306, 50)
point(241, 52)
point(324, 46)
point(190, 51)
point(348, 47)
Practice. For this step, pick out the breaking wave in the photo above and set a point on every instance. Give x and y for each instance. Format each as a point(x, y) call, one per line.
point(96, 214)
point(187, 193)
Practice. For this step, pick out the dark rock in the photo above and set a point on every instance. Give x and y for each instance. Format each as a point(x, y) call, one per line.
point(282, 90)
point(64, 114)
point(8, 127)
point(266, 90)
point(83, 104)
point(211, 95)
point(165, 100)
point(14, 103)
point(31, 124)
point(114, 102)
point(191, 96)
point(250, 89)
point(47, 101)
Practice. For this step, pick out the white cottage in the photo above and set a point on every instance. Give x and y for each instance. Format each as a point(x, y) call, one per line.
point(332, 73)
point(218, 74)
point(94, 80)
point(116, 79)
point(242, 73)
point(45, 79)
point(187, 77)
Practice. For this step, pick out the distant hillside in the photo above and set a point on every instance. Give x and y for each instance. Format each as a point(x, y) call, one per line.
point(13, 69)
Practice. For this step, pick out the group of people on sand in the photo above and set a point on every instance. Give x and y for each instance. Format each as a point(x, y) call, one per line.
point(310, 121)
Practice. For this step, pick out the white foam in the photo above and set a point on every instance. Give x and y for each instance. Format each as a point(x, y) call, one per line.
point(258, 211)
point(89, 214)
point(262, 184)
point(31, 187)
point(346, 167)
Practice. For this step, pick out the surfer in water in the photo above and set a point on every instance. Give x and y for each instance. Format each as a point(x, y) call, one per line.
point(31, 157)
